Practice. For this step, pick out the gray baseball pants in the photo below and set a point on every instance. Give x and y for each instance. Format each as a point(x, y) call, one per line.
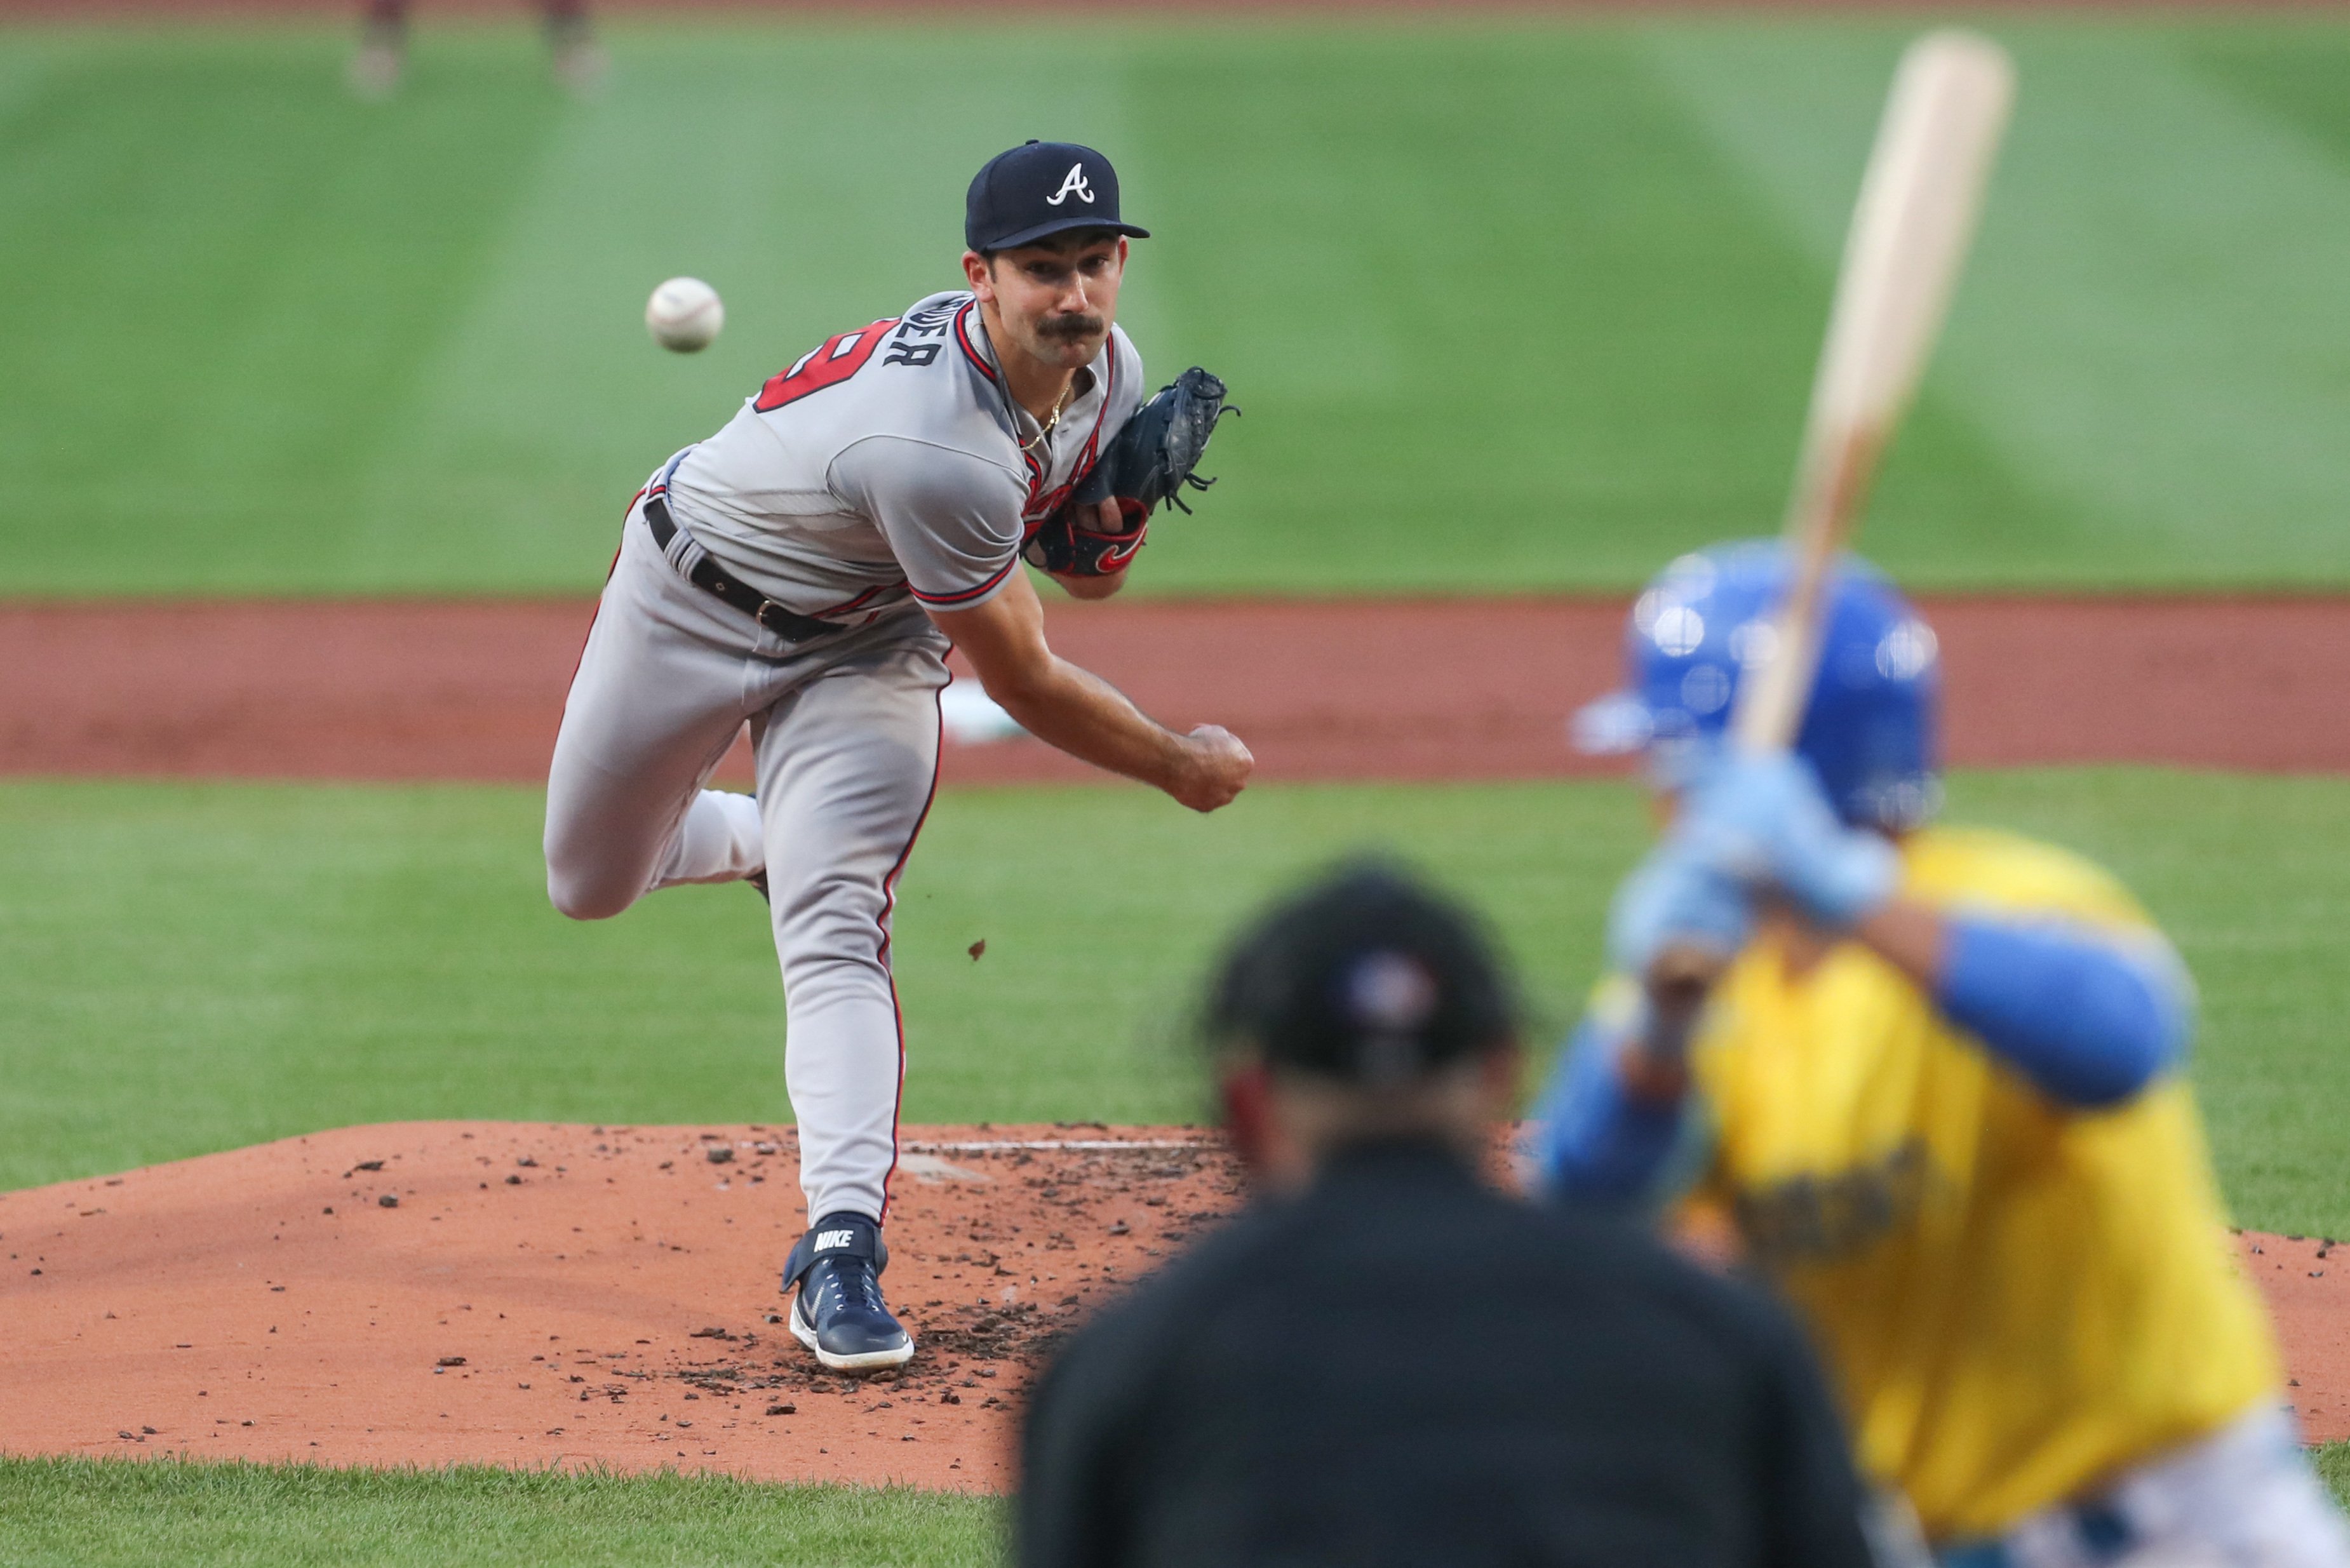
point(845, 736)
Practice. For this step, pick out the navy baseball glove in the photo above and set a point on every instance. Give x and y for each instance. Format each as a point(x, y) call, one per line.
point(1150, 460)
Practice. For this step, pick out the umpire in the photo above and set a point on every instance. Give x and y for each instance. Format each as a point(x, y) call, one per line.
point(1383, 1360)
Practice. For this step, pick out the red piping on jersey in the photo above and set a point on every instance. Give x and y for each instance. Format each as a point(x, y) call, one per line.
point(967, 594)
point(860, 600)
point(888, 907)
point(1036, 476)
point(1109, 390)
point(964, 337)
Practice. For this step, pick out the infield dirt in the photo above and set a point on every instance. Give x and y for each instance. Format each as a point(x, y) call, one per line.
point(1428, 688)
point(541, 1295)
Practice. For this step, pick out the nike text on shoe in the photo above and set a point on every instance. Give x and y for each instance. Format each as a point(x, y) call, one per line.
point(840, 1313)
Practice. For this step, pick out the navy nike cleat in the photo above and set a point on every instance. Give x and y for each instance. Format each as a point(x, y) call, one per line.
point(840, 1313)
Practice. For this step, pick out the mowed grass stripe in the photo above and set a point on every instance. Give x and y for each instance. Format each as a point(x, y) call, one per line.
point(197, 967)
point(226, 281)
point(1511, 304)
point(2134, 338)
point(93, 1513)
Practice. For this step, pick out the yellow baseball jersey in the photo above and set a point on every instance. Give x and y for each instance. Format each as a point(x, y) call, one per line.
point(2014, 1298)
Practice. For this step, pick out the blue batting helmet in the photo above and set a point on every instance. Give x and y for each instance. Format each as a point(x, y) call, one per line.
point(1869, 729)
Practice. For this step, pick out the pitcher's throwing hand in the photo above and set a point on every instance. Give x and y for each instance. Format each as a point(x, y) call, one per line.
point(1221, 768)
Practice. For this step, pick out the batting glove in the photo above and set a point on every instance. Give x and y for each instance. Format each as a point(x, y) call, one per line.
point(1673, 899)
point(1764, 821)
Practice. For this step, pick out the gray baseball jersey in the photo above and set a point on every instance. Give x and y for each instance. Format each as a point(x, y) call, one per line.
point(886, 468)
point(890, 464)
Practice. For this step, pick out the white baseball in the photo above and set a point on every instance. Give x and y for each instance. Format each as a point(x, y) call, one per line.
point(685, 314)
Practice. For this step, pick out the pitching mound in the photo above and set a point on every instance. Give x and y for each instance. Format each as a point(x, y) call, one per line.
point(534, 1294)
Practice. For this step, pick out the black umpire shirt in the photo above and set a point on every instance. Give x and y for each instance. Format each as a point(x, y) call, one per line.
point(1405, 1366)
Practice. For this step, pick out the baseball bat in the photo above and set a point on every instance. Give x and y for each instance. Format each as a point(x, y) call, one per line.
point(1910, 230)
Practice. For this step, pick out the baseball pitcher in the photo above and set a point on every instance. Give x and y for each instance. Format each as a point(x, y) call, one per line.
point(1938, 1083)
point(806, 570)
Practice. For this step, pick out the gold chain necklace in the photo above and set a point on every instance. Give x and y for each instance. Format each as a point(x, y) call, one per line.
point(1046, 429)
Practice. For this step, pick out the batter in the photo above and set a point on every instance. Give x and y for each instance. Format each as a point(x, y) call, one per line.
point(806, 570)
point(1939, 1086)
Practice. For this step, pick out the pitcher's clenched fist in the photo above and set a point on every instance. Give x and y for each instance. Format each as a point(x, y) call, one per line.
point(1219, 770)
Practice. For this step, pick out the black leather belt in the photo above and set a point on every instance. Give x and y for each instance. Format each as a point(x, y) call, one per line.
point(707, 575)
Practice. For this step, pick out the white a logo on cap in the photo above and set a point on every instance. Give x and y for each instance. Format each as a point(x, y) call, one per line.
point(1074, 185)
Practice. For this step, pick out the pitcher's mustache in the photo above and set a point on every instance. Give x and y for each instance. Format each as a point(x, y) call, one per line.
point(1071, 326)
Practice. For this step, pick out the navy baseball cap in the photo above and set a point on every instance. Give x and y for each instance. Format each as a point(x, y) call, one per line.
point(1040, 188)
point(1366, 977)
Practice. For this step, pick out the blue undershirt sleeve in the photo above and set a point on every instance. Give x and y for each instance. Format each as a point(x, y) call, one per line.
point(2086, 1020)
point(1595, 1142)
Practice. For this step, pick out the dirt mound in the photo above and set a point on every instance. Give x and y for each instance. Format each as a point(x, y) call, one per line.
point(529, 1294)
point(1435, 689)
point(2308, 1292)
point(524, 1294)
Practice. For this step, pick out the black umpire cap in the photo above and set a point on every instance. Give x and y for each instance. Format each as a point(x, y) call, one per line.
point(1039, 188)
point(1365, 977)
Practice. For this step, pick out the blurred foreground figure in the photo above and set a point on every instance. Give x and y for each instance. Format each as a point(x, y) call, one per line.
point(1386, 1361)
point(1937, 1082)
point(578, 60)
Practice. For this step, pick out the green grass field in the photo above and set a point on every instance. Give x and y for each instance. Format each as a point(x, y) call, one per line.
point(197, 967)
point(98, 1513)
point(1510, 303)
